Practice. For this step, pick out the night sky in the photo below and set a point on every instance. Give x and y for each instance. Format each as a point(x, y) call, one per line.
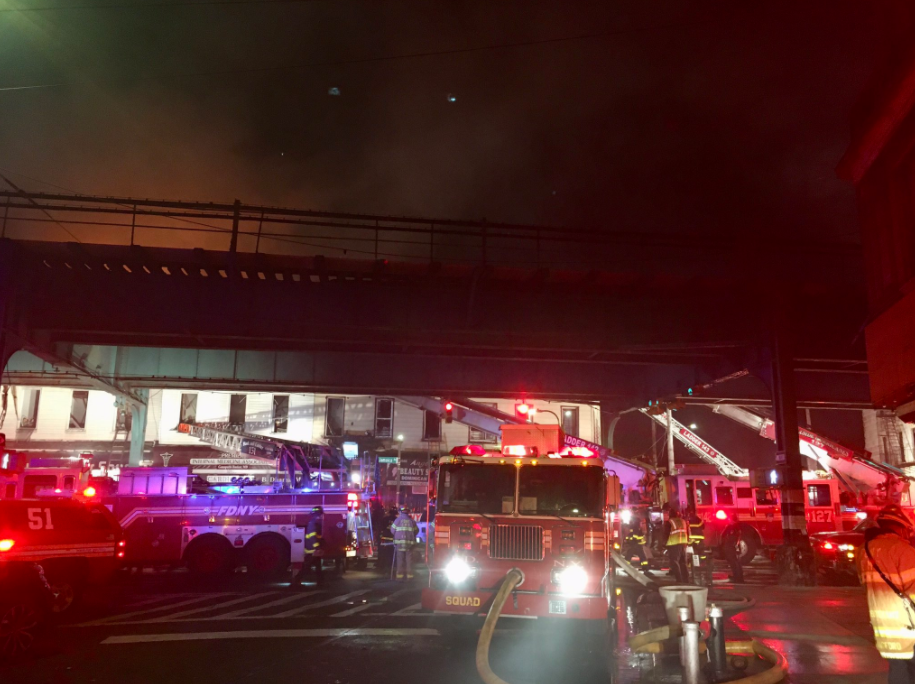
point(659, 116)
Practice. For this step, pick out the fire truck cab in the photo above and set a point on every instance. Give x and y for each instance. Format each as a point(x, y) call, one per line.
point(536, 507)
point(720, 501)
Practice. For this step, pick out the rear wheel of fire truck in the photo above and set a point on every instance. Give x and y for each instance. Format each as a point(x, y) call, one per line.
point(267, 556)
point(209, 555)
point(67, 581)
point(748, 546)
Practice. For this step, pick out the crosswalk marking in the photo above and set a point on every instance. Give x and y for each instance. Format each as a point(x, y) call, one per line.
point(122, 616)
point(158, 599)
point(205, 609)
point(320, 604)
point(279, 602)
point(270, 634)
point(352, 611)
point(409, 610)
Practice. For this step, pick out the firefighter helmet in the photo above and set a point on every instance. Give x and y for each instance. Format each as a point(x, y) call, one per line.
point(893, 514)
point(318, 510)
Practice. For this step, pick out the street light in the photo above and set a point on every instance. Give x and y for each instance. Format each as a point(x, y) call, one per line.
point(693, 426)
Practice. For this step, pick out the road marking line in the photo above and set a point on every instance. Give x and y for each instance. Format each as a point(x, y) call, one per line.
point(113, 618)
point(269, 634)
point(320, 604)
point(401, 592)
point(224, 604)
point(352, 611)
point(279, 602)
point(409, 610)
point(157, 599)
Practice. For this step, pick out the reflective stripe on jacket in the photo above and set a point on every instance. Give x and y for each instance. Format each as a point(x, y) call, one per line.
point(889, 615)
point(314, 539)
point(404, 530)
point(679, 532)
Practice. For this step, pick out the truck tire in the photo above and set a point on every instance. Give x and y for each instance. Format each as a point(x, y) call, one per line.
point(209, 555)
point(267, 556)
point(67, 582)
point(749, 545)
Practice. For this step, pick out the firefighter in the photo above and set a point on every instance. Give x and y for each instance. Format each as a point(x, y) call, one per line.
point(702, 570)
point(634, 542)
point(730, 544)
point(314, 548)
point(405, 531)
point(887, 568)
point(677, 538)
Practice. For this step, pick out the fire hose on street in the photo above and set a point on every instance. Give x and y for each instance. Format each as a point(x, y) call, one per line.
point(512, 579)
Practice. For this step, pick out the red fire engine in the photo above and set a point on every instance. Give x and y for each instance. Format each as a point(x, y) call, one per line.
point(845, 487)
point(544, 509)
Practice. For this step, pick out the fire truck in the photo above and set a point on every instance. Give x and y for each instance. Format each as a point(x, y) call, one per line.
point(843, 487)
point(538, 506)
point(219, 527)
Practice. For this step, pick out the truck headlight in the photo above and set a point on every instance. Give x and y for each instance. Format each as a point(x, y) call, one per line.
point(458, 571)
point(571, 579)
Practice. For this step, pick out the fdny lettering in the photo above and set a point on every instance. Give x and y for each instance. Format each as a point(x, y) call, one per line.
point(471, 601)
point(240, 510)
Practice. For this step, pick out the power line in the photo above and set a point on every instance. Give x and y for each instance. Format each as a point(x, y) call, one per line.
point(378, 59)
point(144, 5)
point(43, 210)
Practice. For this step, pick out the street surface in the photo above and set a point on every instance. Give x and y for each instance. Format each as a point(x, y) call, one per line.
point(160, 628)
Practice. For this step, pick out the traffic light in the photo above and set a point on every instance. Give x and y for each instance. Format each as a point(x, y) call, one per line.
point(449, 411)
point(523, 411)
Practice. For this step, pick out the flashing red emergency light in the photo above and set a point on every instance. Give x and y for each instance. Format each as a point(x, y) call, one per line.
point(468, 450)
point(721, 515)
point(577, 452)
point(827, 546)
point(89, 491)
point(6, 544)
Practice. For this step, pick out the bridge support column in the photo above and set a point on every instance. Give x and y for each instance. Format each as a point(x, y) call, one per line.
point(139, 415)
point(795, 557)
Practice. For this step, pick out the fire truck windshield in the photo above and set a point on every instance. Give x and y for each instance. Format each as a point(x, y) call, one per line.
point(476, 488)
point(567, 492)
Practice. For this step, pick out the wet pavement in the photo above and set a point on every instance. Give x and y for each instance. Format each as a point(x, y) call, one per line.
point(360, 628)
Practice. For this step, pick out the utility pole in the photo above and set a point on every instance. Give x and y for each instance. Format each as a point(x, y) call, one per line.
point(654, 444)
point(795, 558)
point(236, 211)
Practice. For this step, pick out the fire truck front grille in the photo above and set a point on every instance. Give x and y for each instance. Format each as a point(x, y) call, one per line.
point(516, 542)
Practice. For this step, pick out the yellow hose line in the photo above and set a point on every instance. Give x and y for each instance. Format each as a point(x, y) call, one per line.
point(512, 580)
point(774, 674)
point(630, 570)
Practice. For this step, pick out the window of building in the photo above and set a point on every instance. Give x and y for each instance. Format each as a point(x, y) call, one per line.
point(725, 496)
point(432, 426)
point(29, 417)
point(280, 412)
point(481, 436)
point(819, 495)
point(188, 408)
point(238, 407)
point(384, 417)
point(570, 420)
point(124, 419)
point(78, 405)
point(333, 416)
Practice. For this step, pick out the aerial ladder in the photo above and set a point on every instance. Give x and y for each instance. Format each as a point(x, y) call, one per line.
point(858, 473)
point(295, 465)
point(698, 446)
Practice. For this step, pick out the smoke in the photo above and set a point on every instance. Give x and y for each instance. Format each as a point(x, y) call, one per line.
point(699, 117)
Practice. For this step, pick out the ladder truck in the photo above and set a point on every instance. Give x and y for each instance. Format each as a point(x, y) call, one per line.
point(852, 486)
point(169, 520)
